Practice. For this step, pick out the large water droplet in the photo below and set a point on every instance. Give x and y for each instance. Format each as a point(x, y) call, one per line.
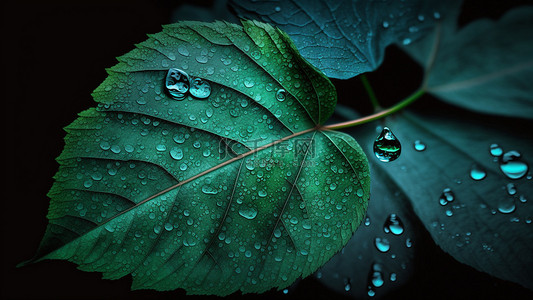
point(386, 146)
point(177, 83)
point(496, 150)
point(419, 146)
point(248, 212)
point(446, 196)
point(512, 166)
point(382, 245)
point(393, 224)
point(506, 206)
point(477, 172)
point(200, 88)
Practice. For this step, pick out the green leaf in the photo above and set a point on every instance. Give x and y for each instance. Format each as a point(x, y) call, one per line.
point(479, 227)
point(348, 37)
point(238, 191)
point(484, 66)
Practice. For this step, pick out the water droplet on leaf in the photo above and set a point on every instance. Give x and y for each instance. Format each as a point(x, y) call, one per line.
point(496, 150)
point(177, 83)
point(281, 95)
point(200, 88)
point(248, 212)
point(419, 146)
point(393, 224)
point(386, 146)
point(512, 166)
point(477, 172)
point(382, 245)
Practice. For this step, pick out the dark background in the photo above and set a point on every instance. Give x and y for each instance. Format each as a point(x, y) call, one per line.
point(55, 54)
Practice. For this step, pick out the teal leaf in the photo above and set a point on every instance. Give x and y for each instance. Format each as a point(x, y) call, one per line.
point(345, 38)
point(485, 66)
point(213, 190)
point(348, 271)
point(482, 222)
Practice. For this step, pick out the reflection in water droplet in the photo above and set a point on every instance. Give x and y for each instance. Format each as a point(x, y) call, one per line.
point(446, 196)
point(496, 150)
point(248, 212)
point(419, 146)
point(382, 245)
point(200, 88)
point(386, 146)
point(281, 95)
point(506, 206)
point(393, 224)
point(512, 166)
point(177, 83)
point(477, 172)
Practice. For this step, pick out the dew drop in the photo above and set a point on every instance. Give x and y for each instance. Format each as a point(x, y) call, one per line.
point(281, 95)
point(477, 172)
point(385, 24)
point(386, 146)
point(446, 196)
point(176, 153)
point(248, 212)
point(376, 276)
point(177, 83)
point(393, 224)
point(408, 243)
point(419, 146)
point(512, 166)
point(511, 189)
point(392, 276)
point(506, 206)
point(496, 150)
point(382, 245)
point(207, 189)
point(367, 221)
point(200, 88)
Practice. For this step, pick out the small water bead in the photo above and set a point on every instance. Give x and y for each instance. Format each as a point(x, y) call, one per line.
point(386, 146)
point(200, 88)
point(408, 243)
point(511, 189)
point(393, 224)
point(449, 213)
point(367, 221)
point(177, 83)
point(522, 199)
point(446, 196)
point(385, 24)
point(512, 166)
point(477, 172)
point(496, 150)
point(393, 277)
point(506, 206)
point(382, 245)
point(281, 95)
point(419, 146)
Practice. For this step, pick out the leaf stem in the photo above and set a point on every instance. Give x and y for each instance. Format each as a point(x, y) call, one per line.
point(402, 104)
point(370, 92)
